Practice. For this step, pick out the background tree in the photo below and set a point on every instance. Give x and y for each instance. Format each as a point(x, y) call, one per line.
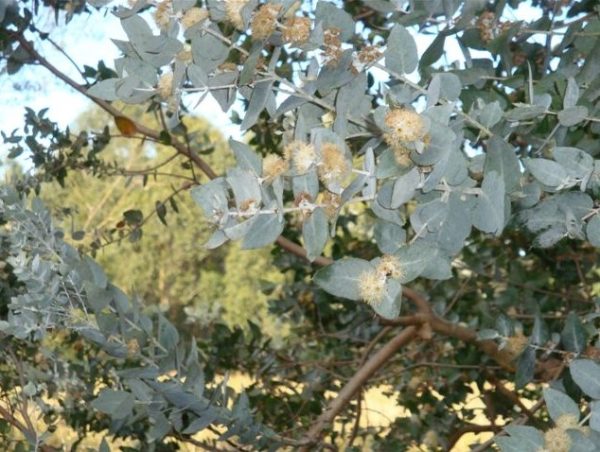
point(165, 265)
point(470, 191)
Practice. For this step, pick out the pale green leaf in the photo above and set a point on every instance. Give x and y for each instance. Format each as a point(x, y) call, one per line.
point(576, 162)
point(404, 188)
point(401, 54)
point(531, 439)
point(105, 89)
point(245, 186)
point(547, 171)
point(342, 277)
point(572, 116)
point(389, 236)
point(488, 214)
point(560, 404)
point(571, 93)
point(389, 306)
point(501, 158)
point(593, 231)
point(264, 231)
point(117, 404)
point(245, 157)
point(414, 259)
point(573, 335)
point(586, 374)
point(524, 112)
point(315, 232)
point(258, 101)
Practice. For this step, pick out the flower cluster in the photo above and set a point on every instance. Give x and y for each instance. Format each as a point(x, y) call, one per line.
point(369, 54)
point(194, 16)
point(165, 86)
point(185, 54)
point(273, 167)
point(233, 10)
point(249, 206)
point(489, 28)
point(515, 345)
point(163, 13)
point(390, 266)
point(404, 127)
point(371, 283)
point(557, 439)
point(296, 30)
point(332, 45)
point(331, 202)
point(333, 166)
point(264, 21)
point(302, 156)
point(304, 203)
point(366, 57)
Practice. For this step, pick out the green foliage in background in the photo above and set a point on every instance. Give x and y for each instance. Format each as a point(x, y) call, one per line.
point(167, 265)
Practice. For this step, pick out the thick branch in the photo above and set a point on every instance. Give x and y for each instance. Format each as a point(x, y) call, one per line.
point(445, 328)
point(471, 428)
point(349, 391)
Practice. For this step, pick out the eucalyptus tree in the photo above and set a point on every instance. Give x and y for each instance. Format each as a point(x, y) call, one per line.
point(436, 213)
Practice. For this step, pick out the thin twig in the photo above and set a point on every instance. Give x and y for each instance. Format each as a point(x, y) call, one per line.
point(65, 54)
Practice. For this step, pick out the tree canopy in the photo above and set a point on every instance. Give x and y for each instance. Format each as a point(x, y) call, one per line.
point(426, 222)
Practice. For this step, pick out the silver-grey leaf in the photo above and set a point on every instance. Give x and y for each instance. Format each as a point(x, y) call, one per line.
point(401, 54)
point(488, 214)
point(315, 232)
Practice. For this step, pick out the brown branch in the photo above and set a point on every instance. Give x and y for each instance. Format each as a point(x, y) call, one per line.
point(349, 391)
point(373, 343)
point(467, 335)
point(27, 433)
point(359, 398)
point(8, 417)
point(22, 397)
point(510, 395)
point(470, 428)
point(113, 111)
point(354, 433)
